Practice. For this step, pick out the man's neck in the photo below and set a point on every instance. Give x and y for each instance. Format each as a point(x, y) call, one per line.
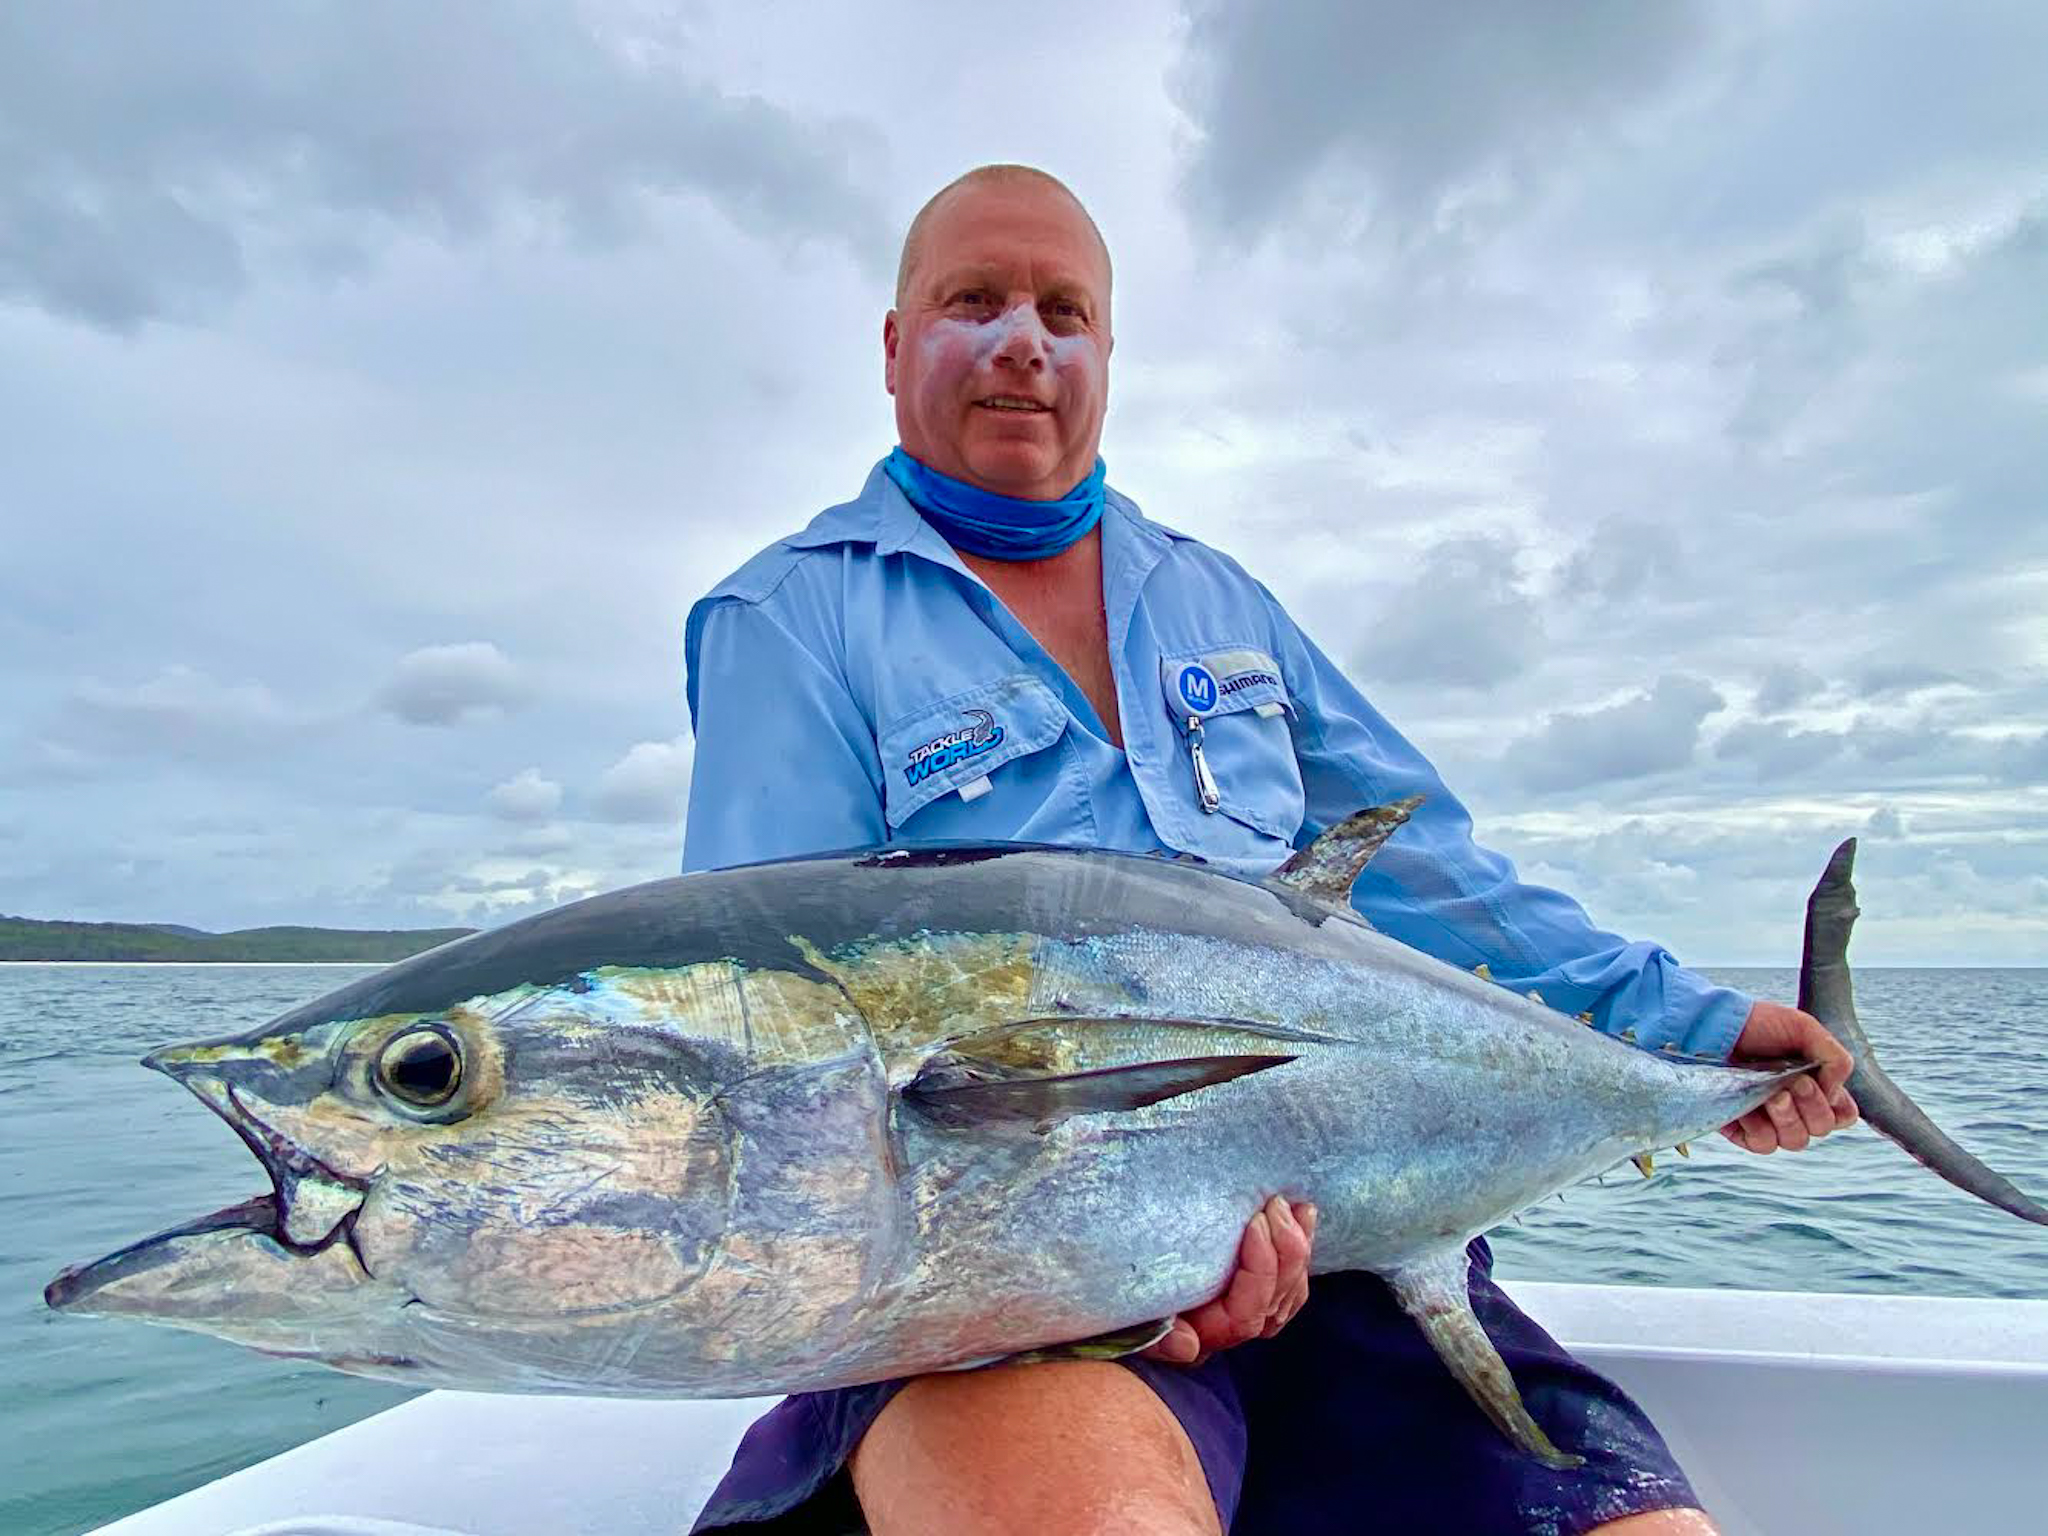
point(1059, 601)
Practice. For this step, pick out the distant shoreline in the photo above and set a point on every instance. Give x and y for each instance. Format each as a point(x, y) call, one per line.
point(45, 941)
point(211, 965)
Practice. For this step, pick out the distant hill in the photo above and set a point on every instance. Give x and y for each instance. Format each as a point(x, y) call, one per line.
point(28, 938)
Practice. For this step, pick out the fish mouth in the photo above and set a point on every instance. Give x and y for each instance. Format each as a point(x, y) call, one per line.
point(310, 1203)
point(77, 1284)
point(309, 1209)
point(229, 1271)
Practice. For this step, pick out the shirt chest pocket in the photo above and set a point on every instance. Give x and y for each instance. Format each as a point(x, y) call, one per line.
point(975, 764)
point(1231, 710)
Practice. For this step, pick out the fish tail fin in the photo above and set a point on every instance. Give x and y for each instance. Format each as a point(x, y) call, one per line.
point(1436, 1291)
point(1826, 992)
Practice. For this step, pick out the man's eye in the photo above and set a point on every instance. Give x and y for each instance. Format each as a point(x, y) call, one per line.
point(973, 298)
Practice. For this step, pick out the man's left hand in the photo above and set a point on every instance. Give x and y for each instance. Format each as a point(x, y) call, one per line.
point(1808, 1108)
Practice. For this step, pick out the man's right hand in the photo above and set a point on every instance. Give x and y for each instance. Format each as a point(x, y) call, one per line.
point(1269, 1285)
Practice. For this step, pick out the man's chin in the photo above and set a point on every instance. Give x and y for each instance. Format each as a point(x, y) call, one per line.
point(1016, 465)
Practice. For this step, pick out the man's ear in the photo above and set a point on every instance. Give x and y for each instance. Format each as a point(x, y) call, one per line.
point(892, 336)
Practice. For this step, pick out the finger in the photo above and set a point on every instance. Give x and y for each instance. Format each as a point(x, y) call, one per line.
point(1179, 1347)
point(1785, 1121)
point(1241, 1311)
point(1250, 1296)
point(1289, 1303)
point(1844, 1106)
point(1296, 1301)
point(1835, 1061)
point(1307, 1214)
point(1210, 1324)
point(1255, 1252)
point(1290, 1243)
point(1815, 1113)
point(1754, 1133)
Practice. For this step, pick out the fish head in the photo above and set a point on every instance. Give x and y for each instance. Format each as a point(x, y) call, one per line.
point(437, 1175)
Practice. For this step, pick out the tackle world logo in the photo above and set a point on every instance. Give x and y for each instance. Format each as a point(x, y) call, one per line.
point(981, 734)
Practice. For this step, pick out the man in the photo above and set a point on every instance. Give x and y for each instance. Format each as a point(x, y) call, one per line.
point(989, 644)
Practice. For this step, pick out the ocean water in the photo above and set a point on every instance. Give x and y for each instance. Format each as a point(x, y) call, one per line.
point(100, 1418)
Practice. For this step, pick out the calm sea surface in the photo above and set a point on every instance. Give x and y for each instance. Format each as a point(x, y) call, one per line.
point(100, 1418)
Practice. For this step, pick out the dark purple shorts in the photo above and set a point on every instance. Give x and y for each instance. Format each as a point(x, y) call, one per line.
point(1345, 1423)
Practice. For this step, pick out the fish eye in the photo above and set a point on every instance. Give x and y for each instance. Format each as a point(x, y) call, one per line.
point(421, 1068)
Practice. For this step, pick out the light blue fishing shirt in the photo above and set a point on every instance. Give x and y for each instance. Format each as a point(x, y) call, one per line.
point(855, 684)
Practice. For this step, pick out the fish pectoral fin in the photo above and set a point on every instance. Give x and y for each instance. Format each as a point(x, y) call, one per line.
point(1113, 1345)
point(963, 1091)
point(1328, 867)
point(1436, 1292)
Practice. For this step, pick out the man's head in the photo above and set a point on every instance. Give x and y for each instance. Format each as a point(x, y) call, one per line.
point(998, 348)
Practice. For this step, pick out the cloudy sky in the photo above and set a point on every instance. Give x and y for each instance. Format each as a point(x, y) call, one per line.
point(1647, 403)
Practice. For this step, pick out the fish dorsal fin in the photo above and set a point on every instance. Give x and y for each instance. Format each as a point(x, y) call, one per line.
point(963, 1091)
point(1328, 867)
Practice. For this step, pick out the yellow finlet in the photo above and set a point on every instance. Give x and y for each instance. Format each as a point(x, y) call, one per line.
point(1645, 1164)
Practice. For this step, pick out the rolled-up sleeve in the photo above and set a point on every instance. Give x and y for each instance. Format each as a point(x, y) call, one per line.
point(785, 761)
point(1436, 889)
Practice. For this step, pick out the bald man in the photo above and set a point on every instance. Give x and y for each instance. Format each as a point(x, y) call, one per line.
point(988, 643)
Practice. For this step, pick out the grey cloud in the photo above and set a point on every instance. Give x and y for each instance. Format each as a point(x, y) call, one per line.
point(1784, 686)
point(41, 760)
point(2023, 762)
point(446, 684)
point(538, 841)
point(153, 157)
point(1879, 743)
point(1651, 732)
point(1416, 111)
point(650, 784)
point(1774, 750)
point(1885, 822)
point(180, 713)
point(526, 796)
point(1883, 678)
point(1464, 620)
point(1627, 558)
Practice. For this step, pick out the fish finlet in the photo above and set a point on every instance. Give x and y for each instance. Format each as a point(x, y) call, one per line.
point(1645, 1164)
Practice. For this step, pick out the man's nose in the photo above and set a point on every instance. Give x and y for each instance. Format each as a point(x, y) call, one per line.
point(1022, 342)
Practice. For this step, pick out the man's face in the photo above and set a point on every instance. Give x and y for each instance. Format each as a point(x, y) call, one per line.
point(999, 355)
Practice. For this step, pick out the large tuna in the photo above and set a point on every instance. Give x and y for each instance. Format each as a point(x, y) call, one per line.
point(826, 1121)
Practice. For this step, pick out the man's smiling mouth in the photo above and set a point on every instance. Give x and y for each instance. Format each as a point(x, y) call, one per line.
point(1012, 403)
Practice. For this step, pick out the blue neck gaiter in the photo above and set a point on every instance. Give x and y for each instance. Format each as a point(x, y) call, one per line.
point(979, 522)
